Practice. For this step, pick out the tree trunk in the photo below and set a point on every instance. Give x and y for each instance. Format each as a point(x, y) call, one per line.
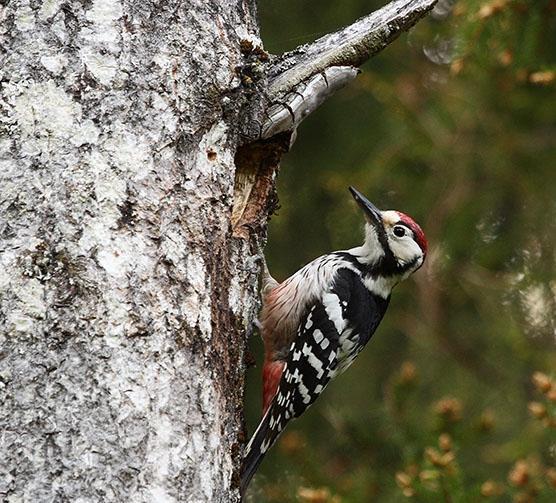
point(124, 296)
point(138, 149)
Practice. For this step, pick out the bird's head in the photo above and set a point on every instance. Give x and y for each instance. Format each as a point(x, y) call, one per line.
point(395, 245)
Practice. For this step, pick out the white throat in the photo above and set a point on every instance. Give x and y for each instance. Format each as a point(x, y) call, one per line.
point(381, 285)
point(370, 252)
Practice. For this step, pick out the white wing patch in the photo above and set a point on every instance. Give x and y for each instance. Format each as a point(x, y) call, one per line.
point(313, 361)
point(317, 335)
point(304, 392)
point(331, 303)
point(265, 445)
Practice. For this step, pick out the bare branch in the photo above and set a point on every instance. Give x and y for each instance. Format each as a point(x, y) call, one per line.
point(290, 111)
point(351, 46)
point(301, 80)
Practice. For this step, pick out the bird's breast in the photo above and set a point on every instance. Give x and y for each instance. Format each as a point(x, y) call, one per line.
point(285, 305)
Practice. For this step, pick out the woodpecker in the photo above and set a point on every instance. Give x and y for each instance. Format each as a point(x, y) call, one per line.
point(316, 322)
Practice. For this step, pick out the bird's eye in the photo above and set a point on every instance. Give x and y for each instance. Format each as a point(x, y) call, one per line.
point(399, 231)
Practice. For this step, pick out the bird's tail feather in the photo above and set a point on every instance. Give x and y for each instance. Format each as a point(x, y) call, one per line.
point(263, 438)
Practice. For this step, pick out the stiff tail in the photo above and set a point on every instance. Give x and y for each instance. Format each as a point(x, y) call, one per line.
point(263, 438)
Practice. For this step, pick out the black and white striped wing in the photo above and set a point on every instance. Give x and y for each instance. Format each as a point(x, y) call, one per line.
point(312, 358)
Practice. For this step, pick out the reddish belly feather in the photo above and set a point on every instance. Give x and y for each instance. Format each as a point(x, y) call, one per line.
point(272, 373)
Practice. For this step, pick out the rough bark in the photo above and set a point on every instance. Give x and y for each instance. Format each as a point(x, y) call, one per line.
point(124, 297)
point(133, 199)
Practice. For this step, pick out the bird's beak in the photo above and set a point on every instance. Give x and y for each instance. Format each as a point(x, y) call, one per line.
point(371, 211)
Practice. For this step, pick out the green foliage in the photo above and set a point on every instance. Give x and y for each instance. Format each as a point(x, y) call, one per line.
point(453, 124)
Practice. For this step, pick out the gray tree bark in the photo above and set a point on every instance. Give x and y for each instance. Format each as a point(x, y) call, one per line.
point(134, 190)
point(125, 297)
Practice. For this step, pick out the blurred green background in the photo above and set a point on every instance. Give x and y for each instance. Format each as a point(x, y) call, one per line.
point(454, 124)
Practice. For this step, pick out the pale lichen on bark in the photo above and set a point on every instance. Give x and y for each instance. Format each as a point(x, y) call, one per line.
point(114, 247)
